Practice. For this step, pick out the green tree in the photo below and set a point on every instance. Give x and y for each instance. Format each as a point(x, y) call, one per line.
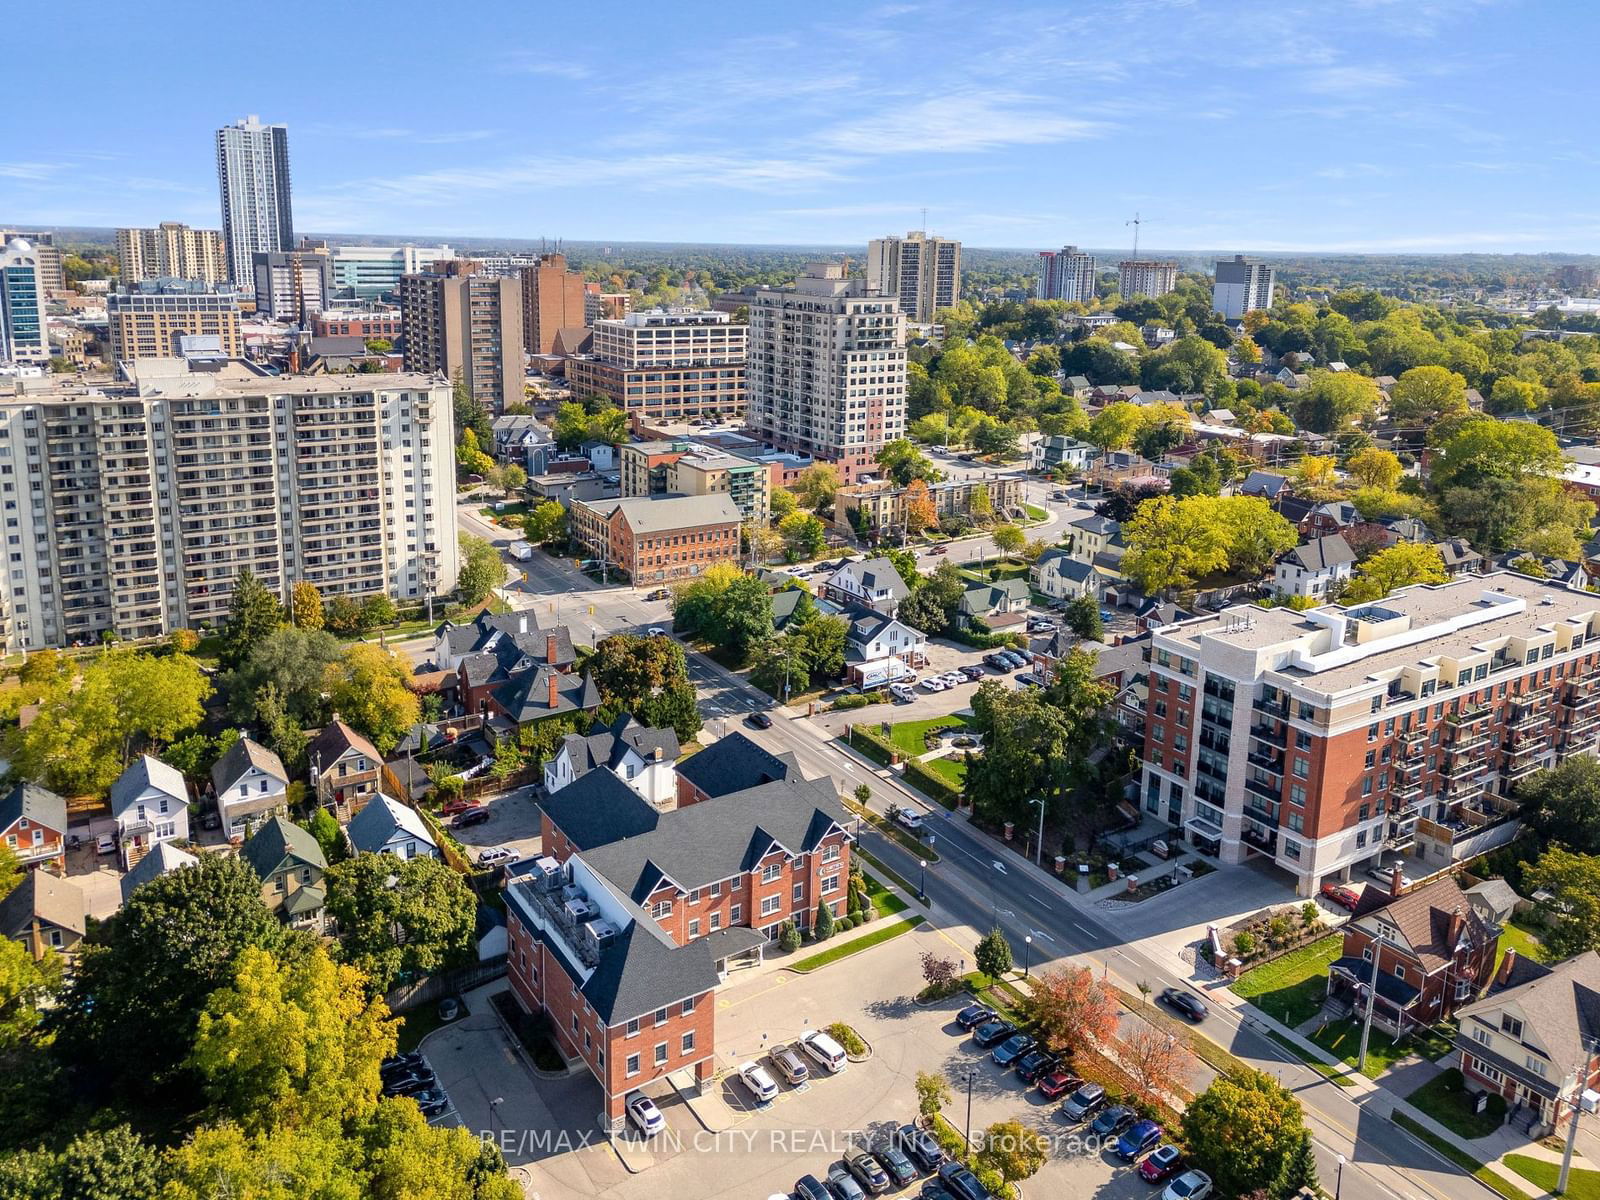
point(1082, 616)
point(817, 486)
point(993, 954)
point(367, 687)
point(1009, 539)
point(468, 413)
point(284, 736)
point(1333, 399)
point(647, 678)
point(1562, 803)
point(781, 666)
point(1374, 468)
point(1512, 397)
point(545, 523)
point(345, 617)
point(1115, 426)
point(804, 535)
point(306, 606)
point(933, 605)
point(903, 462)
point(108, 1164)
point(1172, 543)
point(470, 458)
point(253, 613)
point(1013, 1150)
point(325, 829)
point(1572, 911)
point(400, 920)
point(1398, 566)
point(822, 927)
point(825, 638)
point(10, 870)
point(1299, 1173)
point(512, 479)
point(782, 503)
point(482, 570)
point(1186, 364)
point(293, 661)
point(933, 1093)
point(1497, 483)
point(1242, 1130)
point(1424, 395)
point(788, 938)
point(378, 610)
point(27, 988)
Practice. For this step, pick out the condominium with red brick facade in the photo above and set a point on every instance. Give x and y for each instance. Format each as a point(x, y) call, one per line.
point(659, 540)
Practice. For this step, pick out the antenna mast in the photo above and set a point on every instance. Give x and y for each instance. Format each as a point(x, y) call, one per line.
point(1135, 224)
point(924, 218)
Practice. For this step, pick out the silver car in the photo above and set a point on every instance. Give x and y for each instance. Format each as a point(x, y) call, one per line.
point(790, 1065)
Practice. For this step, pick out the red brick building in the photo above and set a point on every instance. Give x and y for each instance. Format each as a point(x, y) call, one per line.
point(659, 540)
point(383, 323)
point(730, 764)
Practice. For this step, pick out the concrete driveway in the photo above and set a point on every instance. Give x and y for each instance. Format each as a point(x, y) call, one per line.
point(513, 822)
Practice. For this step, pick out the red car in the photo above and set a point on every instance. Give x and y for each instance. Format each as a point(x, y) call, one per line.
point(458, 805)
point(1344, 897)
point(1162, 1162)
point(1057, 1083)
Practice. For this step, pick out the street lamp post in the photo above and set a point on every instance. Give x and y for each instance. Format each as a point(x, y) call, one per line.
point(1027, 954)
point(971, 1072)
point(1038, 849)
point(922, 886)
point(1338, 1178)
point(494, 1114)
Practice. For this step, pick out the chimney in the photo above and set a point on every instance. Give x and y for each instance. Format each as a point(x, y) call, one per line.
point(659, 754)
point(1397, 880)
point(1457, 923)
point(1507, 965)
point(554, 679)
point(550, 649)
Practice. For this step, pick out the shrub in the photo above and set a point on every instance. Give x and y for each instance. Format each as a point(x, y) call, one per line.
point(933, 1093)
point(867, 913)
point(853, 700)
point(822, 928)
point(1308, 914)
point(993, 1182)
point(788, 937)
point(935, 787)
point(949, 1139)
point(1244, 943)
point(848, 1038)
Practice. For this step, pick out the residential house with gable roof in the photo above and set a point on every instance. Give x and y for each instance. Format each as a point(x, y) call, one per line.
point(44, 912)
point(150, 802)
point(385, 826)
point(1000, 605)
point(291, 866)
point(880, 649)
point(33, 825)
point(640, 756)
point(510, 637)
point(731, 764)
point(1314, 570)
point(872, 583)
point(251, 786)
point(346, 769)
point(162, 859)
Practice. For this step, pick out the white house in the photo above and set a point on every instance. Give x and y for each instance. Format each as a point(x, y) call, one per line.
point(638, 755)
point(251, 787)
point(879, 649)
point(385, 826)
point(1060, 576)
point(150, 802)
point(872, 583)
point(1059, 450)
point(1315, 569)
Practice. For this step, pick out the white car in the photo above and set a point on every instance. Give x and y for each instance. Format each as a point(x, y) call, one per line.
point(1191, 1185)
point(953, 678)
point(646, 1117)
point(655, 631)
point(824, 1049)
point(105, 844)
point(933, 684)
point(495, 855)
point(910, 820)
point(759, 1081)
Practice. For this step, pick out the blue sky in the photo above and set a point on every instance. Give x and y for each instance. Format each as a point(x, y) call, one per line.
point(1382, 125)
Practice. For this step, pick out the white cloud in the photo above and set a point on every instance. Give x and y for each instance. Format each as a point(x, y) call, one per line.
point(1338, 81)
point(968, 121)
point(30, 170)
point(535, 62)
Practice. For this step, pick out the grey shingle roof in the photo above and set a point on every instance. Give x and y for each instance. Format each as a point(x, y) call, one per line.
point(1561, 1006)
point(382, 818)
point(527, 697)
point(510, 637)
point(1323, 553)
point(162, 858)
point(142, 773)
point(732, 764)
point(336, 740)
point(277, 840)
point(240, 757)
point(38, 804)
point(876, 573)
point(607, 746)
point(598, 808)
point(57, 901)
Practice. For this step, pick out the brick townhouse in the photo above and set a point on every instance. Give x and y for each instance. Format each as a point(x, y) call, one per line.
point(662, 539)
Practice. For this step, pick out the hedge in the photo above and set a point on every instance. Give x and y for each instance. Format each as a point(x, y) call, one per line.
point(932, 784)
point(988, 641)
point(872, 744)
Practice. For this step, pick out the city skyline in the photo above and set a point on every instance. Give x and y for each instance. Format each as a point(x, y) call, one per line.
point(1375, 128)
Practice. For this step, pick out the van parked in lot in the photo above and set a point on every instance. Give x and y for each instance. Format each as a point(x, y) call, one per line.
point(824, 1049)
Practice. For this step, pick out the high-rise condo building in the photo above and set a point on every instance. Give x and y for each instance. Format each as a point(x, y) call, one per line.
point(1323, 739)
point(666, 365)
point(1066, 274)
point(1242, 286)
point(172, 251)
point(253, 173)
point(367, 272)
point(24, 334)
point(924, 272)
point(48, 253)
point(147, 319)
point(552, 300)
point(827, 369)
point(1142, 277)
point(137, 505)
point(458, 321)
point(292, 285)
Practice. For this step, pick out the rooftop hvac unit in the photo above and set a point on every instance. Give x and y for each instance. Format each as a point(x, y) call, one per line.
point(546, 874)
point(598, 933)
point(580, 910)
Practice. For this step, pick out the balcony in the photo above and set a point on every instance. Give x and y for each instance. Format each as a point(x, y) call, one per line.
point(1520, 767)
point(1400, 838)
point(1406, 790)
point(1278, 709)
point(1579, 701)
point(1264, 788)
point(1266, 762)
point(1260, 839)
point(1413, 741)
point(1272, 735)
point(1472, 714)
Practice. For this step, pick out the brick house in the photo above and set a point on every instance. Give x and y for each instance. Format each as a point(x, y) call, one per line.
point(1432, 950)
point(1533, 1038)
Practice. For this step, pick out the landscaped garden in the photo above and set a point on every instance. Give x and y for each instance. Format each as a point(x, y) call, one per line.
point(910, 737)
point(1291, 988)
point(952, 767)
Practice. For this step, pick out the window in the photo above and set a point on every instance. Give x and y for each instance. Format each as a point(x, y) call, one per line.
point(771, 905)
point(830, 853)
point(734, 913)
point(694, 928)
point(633, 1027)
point(770, 872)
point(1510, 1026)
point(799, 894)
point(661, 1016)
point(688, 1006)
point(1482, 1036)
point(716, 921)
point(830, 884)
point(1302, 768)
point(661, 909)
point(661, 1053)
point(1483, 1069)
point(1535, 1065)
point(1399, 970)
point(687, 1046)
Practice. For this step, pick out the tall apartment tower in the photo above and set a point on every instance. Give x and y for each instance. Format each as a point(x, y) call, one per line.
point(1066, 274)
point(51, 272)
point(293, 285)
point(253, 173)
point(1141, 277)
point(458, 321)
point(924, 272)
point(172, 251)
point(670, 366)
point(1242, 286)
point(153, 495)
point(552, 300)
point(827, 368)
point(24, 336)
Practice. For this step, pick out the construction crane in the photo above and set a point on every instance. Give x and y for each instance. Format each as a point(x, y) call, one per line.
point(1135, 223)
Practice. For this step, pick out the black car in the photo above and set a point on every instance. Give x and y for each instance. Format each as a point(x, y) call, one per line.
point(410, 1083)
point(1112, 1121)
point(974, 1015)
point(843, 1184)
point(760, 720)
point(868, 1171)
point(992, 1033)
point(1181, 1001)
point(1013, 1048)
point(961, 1183)
point(809, 1187)
point(473, 816)
point(919, 1147)
point(1036, 1063)
point(972, 671)
point(432, 1102)
point(897, 1164)
point(397, 1063)
point(934, 1190)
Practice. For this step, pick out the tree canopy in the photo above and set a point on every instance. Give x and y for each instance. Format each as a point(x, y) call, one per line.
point(399, 920)
point(1242, 1129)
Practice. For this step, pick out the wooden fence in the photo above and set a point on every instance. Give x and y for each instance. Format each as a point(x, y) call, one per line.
point(436, 987)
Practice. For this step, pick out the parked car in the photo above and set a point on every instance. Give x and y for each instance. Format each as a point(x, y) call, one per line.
point(972, 671)
point(396, 1063)
point(760, 720)
point(1112, 1121)
point(974, 1015)
point(1140, 1136)
point(903, 693)
point(809, 1187)
point(961, 1182)
point(790, 1065)
point(761, 1084)
point(105, 844)
point(1034, 1064)
point(824, 1050)
point(1029, 679)
point(1013, 1048)
point(432, 1102)
point(1343, 895)
point(933, 684)
point(932, 1189)
point(210, 820)
point(919, 1147)
point(660, 594)
point(1161, 1163)
point(471, 817)
point(410, 1082)
point(1084, 1101)
point(843, 1185)
point(496, 855)
point(459, 805)
point(992, 1033)
point(868, 1171)
point(1191, 1185)
point(1053, 1084)
point(644, 1114)
point(655, 631)
point(1183, 1002)
point(953, 678)
point(911, 819)
point(897, 1164)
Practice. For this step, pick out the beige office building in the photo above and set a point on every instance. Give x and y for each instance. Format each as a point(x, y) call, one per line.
point(923, 272)
point(172, 251)
point(147, 319)
point(459, 321)
point(132, 507)
point(1141, 277)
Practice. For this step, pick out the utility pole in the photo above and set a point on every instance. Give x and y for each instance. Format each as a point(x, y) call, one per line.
point(1572, 1130)
point(1038, 850)
point(1372, 996)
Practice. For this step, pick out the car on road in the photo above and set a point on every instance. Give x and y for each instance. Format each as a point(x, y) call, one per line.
point(843, 1184)
point(939, 550)
point(659, 594)
point(1034, 1064)
point(919, 1146)
point(432, 1102)
point(992, 1033)
point(910, 819)
point(868, 1171)
point(1191, 1185)
point(1138, 1138)
point(824, 1050)
point(1082, 1102)
point(451, 808)
point(471, 817)
point(655, 631)
point(790, 1065)
point(933, 684)
point(761, 1084)
point(1112, 1121)
point(644, 1114)
point(760, 720)
point(1342, 894)
point(1161, 1163)
point(1010, 1050)
point(961, 1182)
point(1183, 1002)
point(974, 1015)
point(897, 1164)
point(1057, 1083)
point(497, 855)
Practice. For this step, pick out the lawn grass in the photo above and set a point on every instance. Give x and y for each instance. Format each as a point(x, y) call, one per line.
point(1462, 1159)
point(1342, 1039)
point(855, 945)
point(1207, 1051)
point(1581, 1185)
point(1035, 512)
point(1334, 1075)
point(1446, 1100)
point(907, 735)
point(418, 1023)
point(1521, 939)
point(1291, 988)
point(885, 902)
point(952, 767)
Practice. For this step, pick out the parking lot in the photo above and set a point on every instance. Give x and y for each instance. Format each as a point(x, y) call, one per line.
point(513, 822)
point(731, 1145)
